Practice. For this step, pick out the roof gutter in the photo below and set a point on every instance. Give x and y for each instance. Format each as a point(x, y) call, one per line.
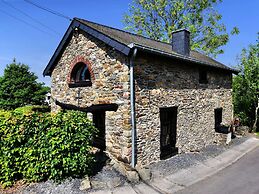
point(132, 108)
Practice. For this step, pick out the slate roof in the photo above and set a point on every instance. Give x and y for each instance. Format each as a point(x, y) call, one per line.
point(124, 41)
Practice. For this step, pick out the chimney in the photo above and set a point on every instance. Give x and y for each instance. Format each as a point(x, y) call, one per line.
point(181, 42)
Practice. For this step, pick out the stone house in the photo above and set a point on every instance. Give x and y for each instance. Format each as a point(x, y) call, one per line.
point(149, 99)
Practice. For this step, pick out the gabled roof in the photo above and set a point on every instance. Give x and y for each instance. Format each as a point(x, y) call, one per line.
point(124, 42)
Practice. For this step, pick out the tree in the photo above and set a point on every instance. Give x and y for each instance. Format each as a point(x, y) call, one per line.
point(157, 19)
point(246, 86)
point(19, 87)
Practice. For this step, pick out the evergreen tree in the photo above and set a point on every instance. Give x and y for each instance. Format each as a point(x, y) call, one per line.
point(19, 87)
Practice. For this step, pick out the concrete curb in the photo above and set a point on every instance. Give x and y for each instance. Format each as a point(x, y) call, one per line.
point(203, 170)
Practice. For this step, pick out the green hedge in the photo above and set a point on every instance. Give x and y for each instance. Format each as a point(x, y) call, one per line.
point(42, 146)
point(32, 109)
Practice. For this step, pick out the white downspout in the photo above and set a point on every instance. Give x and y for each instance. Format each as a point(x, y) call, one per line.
point(132, 108)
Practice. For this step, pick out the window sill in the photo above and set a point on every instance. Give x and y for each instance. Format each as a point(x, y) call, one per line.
point(80, 84)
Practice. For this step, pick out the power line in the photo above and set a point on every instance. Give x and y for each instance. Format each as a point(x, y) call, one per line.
point(23, 21)
point(27, 15)
point(48, 10)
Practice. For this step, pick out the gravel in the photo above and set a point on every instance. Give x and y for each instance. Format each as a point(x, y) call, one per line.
point(71, 186)
point(185, 160)
point(49, 187)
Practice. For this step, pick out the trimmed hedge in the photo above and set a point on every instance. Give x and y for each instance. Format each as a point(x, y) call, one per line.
point(41, 146)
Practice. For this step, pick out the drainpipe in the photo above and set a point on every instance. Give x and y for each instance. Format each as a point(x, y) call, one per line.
point(132, 108)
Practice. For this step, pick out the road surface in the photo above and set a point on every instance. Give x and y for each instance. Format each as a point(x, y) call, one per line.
point(240, 178)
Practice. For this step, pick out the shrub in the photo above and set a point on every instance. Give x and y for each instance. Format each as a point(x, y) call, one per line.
point(4, 114)
point(26, 110)
point(42, 146)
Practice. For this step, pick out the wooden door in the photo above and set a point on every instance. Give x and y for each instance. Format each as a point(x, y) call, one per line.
point(168, 122)
point(99, 123)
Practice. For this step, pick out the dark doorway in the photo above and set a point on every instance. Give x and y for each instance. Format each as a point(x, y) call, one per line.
point(168, 122)
point(218, 122)
point(218, 117)
point(99, 123)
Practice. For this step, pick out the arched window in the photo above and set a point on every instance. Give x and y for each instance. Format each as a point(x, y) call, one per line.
point(80, 75)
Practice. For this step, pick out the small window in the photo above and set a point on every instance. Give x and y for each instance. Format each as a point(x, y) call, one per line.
point(203, 78)
point(80, 76)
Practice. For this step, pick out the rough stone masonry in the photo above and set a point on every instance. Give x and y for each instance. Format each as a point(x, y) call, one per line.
point(159, 82)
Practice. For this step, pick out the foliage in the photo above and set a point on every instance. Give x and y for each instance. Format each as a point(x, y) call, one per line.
point(42, 146)
point(19, 87)
point(4, 114)
point(158, 18)
point(26, 110)
point(246, 86)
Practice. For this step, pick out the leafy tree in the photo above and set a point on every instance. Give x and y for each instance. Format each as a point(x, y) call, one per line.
point(158, 18)
point(19, 87)
point(246, 86)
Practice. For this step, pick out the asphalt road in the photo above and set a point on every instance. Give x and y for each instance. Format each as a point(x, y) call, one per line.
point(240, 178)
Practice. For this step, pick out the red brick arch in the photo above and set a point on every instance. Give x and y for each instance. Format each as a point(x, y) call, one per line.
point(80, 59)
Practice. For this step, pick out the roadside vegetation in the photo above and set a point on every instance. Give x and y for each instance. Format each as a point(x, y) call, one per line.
point(36, 145)
point(246, 87)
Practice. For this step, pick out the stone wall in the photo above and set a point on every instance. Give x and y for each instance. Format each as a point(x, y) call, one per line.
point(110, 84)
point(168, 83)
point(159, 83)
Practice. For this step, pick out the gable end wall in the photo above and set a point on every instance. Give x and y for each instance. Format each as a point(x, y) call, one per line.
point(110, 84)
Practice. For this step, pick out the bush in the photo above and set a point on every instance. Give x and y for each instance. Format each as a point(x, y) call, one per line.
point(26, 110)
point(42, 146)
point(4, 114)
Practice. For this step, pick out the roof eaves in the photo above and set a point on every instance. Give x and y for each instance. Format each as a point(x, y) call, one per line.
point(180, 57)
point(47, 70)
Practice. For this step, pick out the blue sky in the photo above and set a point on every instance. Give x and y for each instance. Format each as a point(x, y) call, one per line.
point(35, 48)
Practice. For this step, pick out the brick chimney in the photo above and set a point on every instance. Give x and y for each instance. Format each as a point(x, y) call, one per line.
point(181, 42)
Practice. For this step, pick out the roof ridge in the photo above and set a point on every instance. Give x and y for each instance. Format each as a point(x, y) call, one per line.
point(84, 21)
point(121, 43)
point(78, 19)
point(131, 33)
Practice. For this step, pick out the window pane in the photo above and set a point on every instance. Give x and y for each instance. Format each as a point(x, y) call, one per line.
point(80, 73)
point(85, 74)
